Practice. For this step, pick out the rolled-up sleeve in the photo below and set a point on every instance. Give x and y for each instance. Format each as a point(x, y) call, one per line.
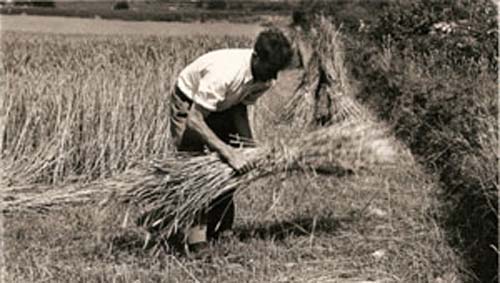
point(211, 92)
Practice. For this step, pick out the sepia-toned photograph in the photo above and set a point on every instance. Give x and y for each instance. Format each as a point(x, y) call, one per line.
point(351, 141)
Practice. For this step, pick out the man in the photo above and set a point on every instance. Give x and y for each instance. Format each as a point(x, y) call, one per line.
point(209, 106)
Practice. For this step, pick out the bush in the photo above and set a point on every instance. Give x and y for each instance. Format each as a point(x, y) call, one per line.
point(345, 13)
point(215, 4)
point(454, 30)
point(46, 3)
point(439, 90)
point(121, 5)
point(36, 3)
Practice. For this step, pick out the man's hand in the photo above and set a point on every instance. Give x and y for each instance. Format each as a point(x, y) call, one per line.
point(236, 159)
point(240, 162)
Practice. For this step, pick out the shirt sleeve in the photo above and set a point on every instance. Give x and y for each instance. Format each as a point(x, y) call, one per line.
point(211, 92)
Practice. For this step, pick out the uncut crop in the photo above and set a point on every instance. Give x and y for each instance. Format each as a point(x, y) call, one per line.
point(81, 108)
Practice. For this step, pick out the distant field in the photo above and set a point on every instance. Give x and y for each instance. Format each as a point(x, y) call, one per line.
point(49, 24)
point(185, 11)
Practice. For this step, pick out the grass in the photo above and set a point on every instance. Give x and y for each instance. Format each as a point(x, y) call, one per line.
point(326, 229)
point(441, 94)
point(82, 108)
point(456, 136)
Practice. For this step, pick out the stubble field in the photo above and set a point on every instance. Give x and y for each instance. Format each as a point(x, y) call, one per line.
point(82, 108)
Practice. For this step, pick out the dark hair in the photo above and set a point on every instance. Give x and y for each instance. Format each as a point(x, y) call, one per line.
point(272, 46)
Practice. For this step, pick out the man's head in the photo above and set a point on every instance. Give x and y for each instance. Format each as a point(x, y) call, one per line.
point(272, 53)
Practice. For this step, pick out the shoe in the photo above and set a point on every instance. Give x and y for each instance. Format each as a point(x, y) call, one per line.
point(199, 251)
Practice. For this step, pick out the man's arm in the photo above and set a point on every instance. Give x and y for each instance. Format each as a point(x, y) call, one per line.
point(242, 124)
point(196, 122)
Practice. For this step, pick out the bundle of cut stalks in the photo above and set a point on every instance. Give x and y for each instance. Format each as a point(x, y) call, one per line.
point(173, 191)
point(38, 198)
point(324, 95)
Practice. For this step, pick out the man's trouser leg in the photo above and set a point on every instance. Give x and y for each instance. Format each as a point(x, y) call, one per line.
point(220, 214)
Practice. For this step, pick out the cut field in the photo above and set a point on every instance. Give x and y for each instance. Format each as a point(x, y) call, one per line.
point(81, 108)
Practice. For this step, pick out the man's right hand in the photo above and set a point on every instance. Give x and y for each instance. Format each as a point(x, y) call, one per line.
point(240, 162)
point(236, 159)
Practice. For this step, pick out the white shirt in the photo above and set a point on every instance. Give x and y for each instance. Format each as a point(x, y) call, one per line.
point(221, 79)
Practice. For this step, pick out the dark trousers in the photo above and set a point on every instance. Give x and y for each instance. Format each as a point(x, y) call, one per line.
point(220, 215)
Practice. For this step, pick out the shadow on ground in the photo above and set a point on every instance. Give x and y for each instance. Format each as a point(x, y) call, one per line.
point(302, 226)
point(134, 242)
